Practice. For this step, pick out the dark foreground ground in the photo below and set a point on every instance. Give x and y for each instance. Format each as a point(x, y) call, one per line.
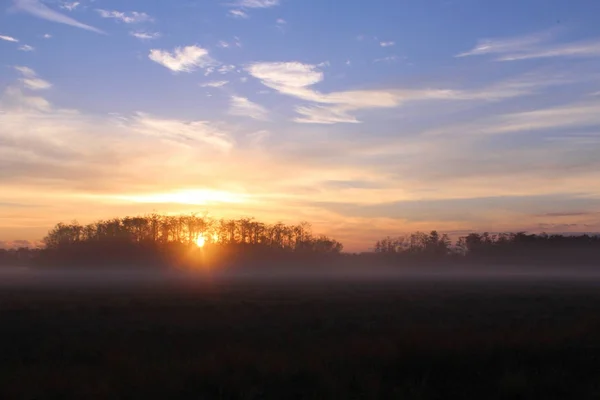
point(300, 339)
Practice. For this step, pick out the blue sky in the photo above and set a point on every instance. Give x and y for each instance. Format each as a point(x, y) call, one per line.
point(367, 118)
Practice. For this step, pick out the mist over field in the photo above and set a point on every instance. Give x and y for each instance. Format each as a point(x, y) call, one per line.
point(106, 278)
point(312, 332)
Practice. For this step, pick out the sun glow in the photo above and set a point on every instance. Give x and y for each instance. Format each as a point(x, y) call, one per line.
point(201, 241)
point(194, 197)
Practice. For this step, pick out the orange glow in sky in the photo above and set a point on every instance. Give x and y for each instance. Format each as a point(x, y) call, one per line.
point(380, 129)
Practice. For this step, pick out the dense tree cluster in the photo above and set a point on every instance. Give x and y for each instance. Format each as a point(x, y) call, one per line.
point(416, 244)
point(187, 229)
point(494, 248)
point(18, 256)
point(164, 239)
point(512, 247)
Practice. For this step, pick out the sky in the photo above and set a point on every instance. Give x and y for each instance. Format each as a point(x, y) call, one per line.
point(365, 118)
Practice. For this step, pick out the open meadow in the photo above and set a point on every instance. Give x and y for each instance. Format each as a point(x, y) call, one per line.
point(298, 337)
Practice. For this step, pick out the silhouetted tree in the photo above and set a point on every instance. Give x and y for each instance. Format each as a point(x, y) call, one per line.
point(140, 238)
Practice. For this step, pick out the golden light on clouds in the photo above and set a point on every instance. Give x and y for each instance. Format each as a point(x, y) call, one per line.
point(189, 197)
point(425, 156)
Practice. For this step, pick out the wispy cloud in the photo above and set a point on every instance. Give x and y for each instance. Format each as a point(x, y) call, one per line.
point(13, 97)
point(132, 17)
point(31, 80)
point(388, 59)
point(225, 45)
point(533, 46)
point(181, 131)
point(256, 3)
point(182, 59)
point(506, 45)
point(238, 14)
point(70, 5)
point(572, 50)
point(240, 5)
point(9, 38)
point(25, 71)
point(287, 77)
point(214, 84)
point(257, 138)
point(295, 79)
point(39, 150)
point(387, 44)
point(145, 35)
point(226, 69)
point(570, 116)
point(324, 115)
point(241, 106)
point(281, 24)
point(47, 36)
point(26, 48)
point(37, 9)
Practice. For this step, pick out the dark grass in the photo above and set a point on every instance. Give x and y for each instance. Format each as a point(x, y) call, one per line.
point(344, 340)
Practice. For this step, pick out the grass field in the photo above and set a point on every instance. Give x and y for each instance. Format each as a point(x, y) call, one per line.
point(284, 339)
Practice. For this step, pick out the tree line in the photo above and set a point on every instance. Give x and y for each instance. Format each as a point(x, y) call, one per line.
point(171, 240)
point(187, 229)
point(166, 239)
point(493, 248)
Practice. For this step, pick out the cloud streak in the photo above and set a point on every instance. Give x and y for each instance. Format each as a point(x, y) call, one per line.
point(533, 47)
point(506, 45)
point(243, 107)
point(570, 116)
point(132, 17)
point(70, 5)
point(240, 5)
point(8, 39)
point(256, 3)
point(214, 84)
point(238, 14)
point(31, 80)
point(185, 132)
point(145, 35)
point(297, 80)
point(39, 10)
point(585, 49)
point(324, 115)
point(182, 59)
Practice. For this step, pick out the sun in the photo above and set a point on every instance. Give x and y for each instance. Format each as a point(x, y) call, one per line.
point(201, 241)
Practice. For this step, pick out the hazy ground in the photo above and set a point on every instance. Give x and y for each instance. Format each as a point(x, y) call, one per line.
point(403, 334)
point(58, 277)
